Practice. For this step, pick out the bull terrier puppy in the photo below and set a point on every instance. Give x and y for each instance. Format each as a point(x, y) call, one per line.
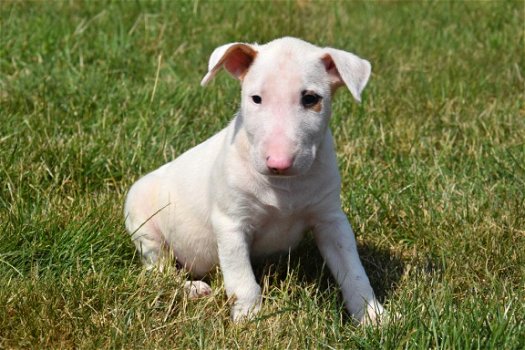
point(255, 187)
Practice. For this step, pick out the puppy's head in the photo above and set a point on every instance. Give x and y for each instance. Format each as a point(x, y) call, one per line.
point(287, 86)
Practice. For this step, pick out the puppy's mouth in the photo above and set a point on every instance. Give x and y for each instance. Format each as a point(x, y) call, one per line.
point(286, 175)
point(279, 172)
point(276, 173)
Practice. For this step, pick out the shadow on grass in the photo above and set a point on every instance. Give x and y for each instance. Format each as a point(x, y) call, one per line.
point(383, 267)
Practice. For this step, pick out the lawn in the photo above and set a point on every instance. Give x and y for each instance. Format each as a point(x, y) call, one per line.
point(94, 95)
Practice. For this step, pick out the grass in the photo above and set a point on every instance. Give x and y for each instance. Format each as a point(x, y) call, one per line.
point(93, 95)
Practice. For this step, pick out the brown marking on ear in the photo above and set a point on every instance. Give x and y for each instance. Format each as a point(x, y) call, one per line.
point(243, 74)
point(238, 59)
point(328, 62)
point(335, 78)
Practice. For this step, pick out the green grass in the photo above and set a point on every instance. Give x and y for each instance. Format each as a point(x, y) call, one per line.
point(93, 95)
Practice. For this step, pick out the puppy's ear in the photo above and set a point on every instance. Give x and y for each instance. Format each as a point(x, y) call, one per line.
point(348, 69)
point(235, 57)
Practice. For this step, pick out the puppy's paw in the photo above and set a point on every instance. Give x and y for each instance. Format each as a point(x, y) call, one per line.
point(244, 310)
point(246, 307)
point(374, 315)
point(197, 289)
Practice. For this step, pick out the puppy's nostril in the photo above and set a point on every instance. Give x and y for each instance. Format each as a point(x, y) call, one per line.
point(278, 165)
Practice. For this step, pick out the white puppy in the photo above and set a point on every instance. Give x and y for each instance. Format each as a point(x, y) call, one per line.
point(254, 188)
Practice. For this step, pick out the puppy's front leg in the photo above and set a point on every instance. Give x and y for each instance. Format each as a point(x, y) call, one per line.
point(336, 242)
point(234, 256)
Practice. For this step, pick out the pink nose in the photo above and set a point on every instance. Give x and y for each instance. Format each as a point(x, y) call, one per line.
point(278, 165)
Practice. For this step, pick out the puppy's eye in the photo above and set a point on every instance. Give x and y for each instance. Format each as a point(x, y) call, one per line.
point(310, 99)
point(257, 99)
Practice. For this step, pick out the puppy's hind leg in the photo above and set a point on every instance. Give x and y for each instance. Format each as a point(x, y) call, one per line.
point(153, 256)
point(144, 233)
point(149, 245)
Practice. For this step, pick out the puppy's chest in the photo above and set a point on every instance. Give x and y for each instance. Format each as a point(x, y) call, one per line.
point(277, 234)
point(278, 224)
point(284, 203)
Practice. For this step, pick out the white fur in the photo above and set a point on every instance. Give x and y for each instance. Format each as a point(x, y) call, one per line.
point(231, 199)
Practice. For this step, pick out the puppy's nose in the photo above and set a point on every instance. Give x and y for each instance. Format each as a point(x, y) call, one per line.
point(278, 165)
